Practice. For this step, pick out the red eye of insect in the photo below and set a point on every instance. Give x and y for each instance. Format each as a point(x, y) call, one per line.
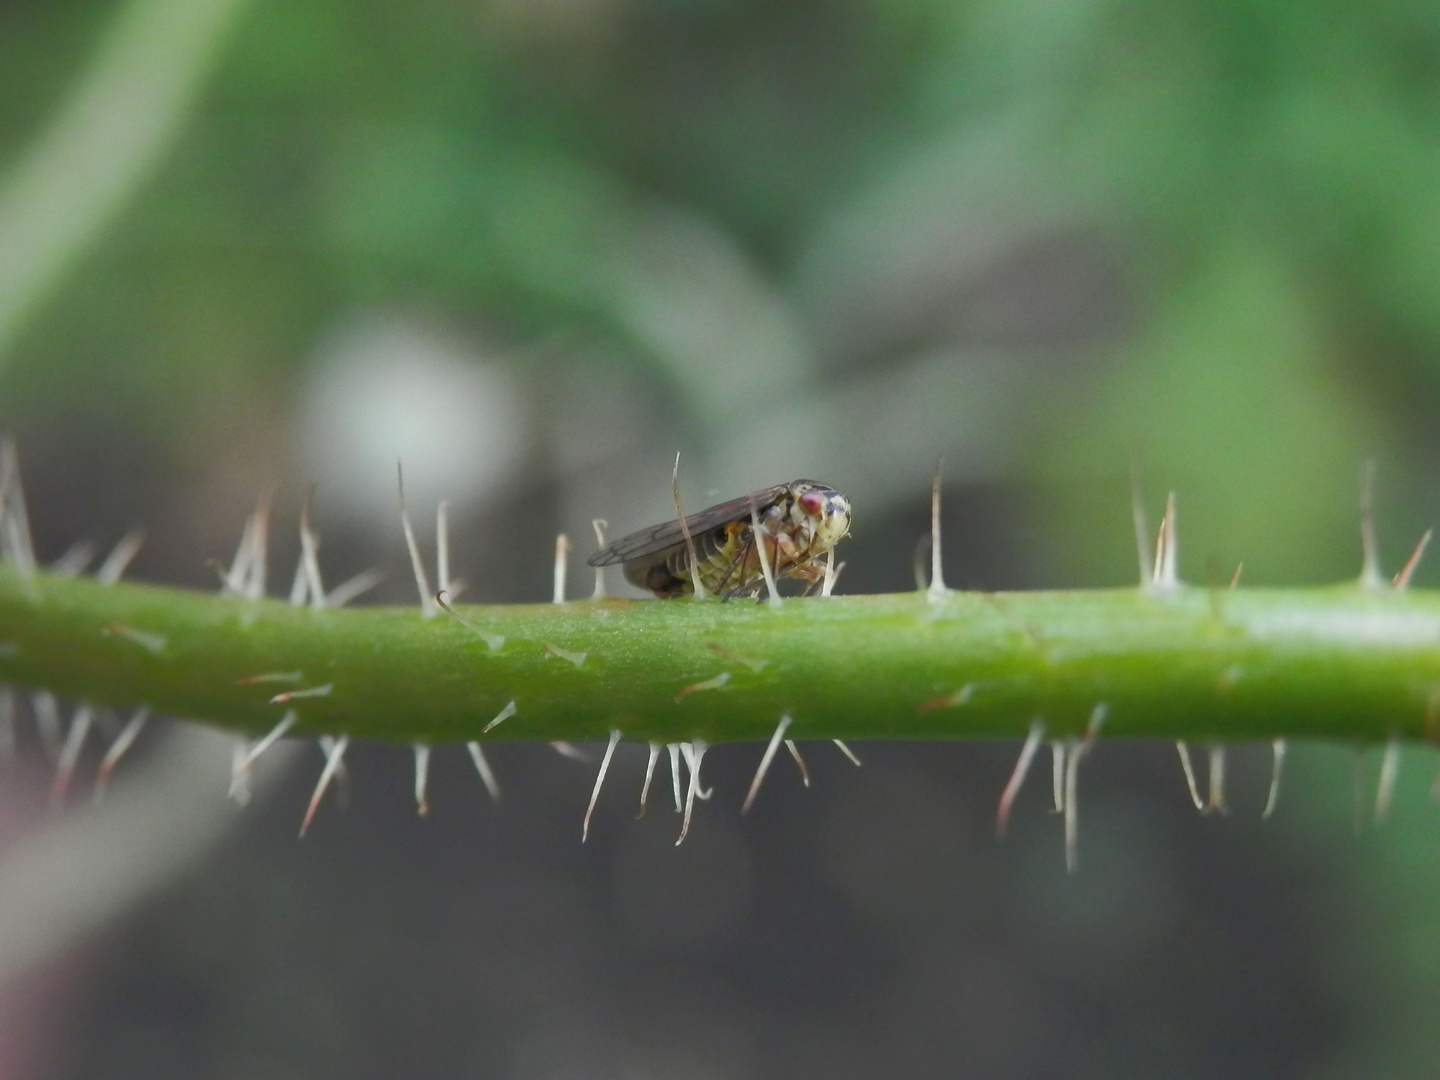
point(812, 502)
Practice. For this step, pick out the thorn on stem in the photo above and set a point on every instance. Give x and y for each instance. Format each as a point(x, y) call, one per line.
point(599, 782)
point(1017, 776)
point(698, 585)
point(1371, 579)
point(1277, 767)
point(765, 761)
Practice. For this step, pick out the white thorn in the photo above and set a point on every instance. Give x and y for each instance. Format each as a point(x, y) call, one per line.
point(427, 601)
point(234, 580)
point(504, 714)
point(1185, 763)
point(1017, 776)
point(562, 560)
point(799, 761)
point(688, 749)
point(937, 590)
point(917, 561)
point(1402, 579)
point(599, 525)
point(422, 777)
point(1142, 527)
point(765, 761)
point(1370, 576)
point(442, 546)
point(1389, 773)
point(1077, 750)
point(1072, 806)
point(495, 641)
point(120, 557)
point(569, 750)
point(694, 754)
point(1167, 556)
point(70, 752)
point(599, 780)
point(257, 582)
point(310, 554)
point(239, 778)
point(353, 587)
point(698, 586)
point(674, 751)
point(47, 723)
point(295, 695)
point(299, 585)
point(128, 734)
point(1277, 767)
point(482, 766)
point(334, 756)
point(828, 586)
point(764, 555)
point(1217, 781)
point(847, 752)
point(274, 735)
point(649, 775)
point(1057, 773)
point(15, 539)
point(77, 556)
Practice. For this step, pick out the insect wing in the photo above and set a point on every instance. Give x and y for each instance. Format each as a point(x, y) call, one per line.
point(668, 534)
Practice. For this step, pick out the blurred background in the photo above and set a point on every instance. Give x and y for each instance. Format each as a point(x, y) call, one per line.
point(535, 247)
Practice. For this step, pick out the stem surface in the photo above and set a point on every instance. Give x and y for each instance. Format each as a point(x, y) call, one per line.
point(1190, 664)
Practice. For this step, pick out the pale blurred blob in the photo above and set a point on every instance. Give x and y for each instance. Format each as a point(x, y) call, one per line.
point(390, 389)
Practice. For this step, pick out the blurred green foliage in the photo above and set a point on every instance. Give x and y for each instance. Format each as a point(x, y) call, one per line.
point(1231, 210)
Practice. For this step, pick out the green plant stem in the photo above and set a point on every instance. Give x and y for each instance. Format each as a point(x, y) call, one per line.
point(1189, 664)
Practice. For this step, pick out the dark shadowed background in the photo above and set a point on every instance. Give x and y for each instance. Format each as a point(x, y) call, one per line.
point(534, 247)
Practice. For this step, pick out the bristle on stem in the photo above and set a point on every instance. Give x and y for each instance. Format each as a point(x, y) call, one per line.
point(422, 777)
point(503, 715)
point(70, 753)
point(442, 547)
point(1017, 776)
point(655, 748)
point(937, 590)
point(126, 739)
point(1277, 768)
point(427, 600)
point(673, 749)
point(1142, 526)
point(562, 561)
point(599, 782)
point(765, 761)
point(1389, 775)
point(599, 525)
point(482, 766)
point(334, 759)
point(694, 755)
point(1183, 749)
point(1371, 577)
point(698, 586)
point(847, 752)
point(1167, 553)
point(1401, 581)
point(120, 557)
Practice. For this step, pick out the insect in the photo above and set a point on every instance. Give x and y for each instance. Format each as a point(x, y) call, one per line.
point(799, 522)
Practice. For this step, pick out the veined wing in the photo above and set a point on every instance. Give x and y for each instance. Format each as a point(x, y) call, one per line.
point(668, 534)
